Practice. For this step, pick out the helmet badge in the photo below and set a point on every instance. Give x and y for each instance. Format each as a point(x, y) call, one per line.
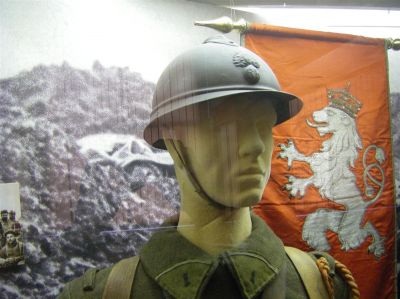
point(250, 67)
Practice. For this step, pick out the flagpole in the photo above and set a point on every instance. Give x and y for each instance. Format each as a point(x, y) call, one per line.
point(226, 25)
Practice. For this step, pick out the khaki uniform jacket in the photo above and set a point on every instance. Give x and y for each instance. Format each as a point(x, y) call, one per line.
point(172, 267)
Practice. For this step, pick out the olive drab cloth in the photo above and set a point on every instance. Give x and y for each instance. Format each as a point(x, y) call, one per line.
point(172, 267)
point(331, 187)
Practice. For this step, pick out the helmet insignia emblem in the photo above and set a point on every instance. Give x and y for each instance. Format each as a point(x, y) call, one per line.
point(250, 67)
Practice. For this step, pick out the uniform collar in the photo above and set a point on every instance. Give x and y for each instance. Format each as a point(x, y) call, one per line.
point(183, 270)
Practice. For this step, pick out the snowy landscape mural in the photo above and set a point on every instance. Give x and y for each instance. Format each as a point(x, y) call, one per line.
point(92, 190)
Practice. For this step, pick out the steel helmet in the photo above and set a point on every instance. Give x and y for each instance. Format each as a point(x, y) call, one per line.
point(217, 68)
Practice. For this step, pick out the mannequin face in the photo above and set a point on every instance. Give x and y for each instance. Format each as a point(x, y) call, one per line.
point(228, 148)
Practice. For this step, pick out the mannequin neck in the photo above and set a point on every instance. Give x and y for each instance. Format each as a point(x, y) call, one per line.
point(212, 228)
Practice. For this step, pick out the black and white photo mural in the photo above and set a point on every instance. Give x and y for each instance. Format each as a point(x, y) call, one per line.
point(91, 188)
point(76, 83)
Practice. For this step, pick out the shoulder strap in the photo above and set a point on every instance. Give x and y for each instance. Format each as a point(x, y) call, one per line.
point(309, 273)
point(119, 282)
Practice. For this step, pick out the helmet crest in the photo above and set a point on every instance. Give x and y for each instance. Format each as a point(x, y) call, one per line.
point(250, 71)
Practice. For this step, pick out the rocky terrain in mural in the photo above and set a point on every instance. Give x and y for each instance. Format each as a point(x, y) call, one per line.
point(92, 191)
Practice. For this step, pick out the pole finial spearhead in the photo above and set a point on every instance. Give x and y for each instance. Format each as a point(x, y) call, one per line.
point(393, 44)
point(224, 24)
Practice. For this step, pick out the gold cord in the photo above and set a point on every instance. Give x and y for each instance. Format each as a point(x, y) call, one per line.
point(346, 274)
point(323, 267)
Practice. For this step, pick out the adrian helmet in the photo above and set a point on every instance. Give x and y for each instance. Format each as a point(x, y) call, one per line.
point(217, 68)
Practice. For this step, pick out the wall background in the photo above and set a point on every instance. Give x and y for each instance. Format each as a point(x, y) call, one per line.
point(76, 79)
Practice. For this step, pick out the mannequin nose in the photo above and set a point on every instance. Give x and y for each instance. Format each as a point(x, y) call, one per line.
point(250, 141)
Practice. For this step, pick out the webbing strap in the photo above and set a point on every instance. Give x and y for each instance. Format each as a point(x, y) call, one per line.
point(309, 273)
point(119, 282)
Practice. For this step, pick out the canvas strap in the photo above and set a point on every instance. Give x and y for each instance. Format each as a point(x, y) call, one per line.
point(119, 282)
point(309, 273)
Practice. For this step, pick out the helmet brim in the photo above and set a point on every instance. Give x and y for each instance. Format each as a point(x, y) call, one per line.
point(286, 106)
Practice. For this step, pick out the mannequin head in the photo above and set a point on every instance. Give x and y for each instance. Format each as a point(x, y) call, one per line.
point(226, 147)
point(213, 108)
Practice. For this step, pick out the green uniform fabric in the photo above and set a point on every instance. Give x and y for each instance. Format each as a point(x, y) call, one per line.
point(172, 267)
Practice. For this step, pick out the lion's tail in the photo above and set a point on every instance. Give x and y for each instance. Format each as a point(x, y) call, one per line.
point(371, 180)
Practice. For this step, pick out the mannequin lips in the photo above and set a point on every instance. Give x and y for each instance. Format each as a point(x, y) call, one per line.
point(256, 167)
point(252, 174)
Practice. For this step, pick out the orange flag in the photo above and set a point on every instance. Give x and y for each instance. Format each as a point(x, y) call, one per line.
point(331, 187)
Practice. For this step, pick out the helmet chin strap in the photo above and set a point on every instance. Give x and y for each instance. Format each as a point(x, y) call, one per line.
point(194, 181)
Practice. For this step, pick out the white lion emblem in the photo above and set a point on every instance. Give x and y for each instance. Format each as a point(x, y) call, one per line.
point(333, 176)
